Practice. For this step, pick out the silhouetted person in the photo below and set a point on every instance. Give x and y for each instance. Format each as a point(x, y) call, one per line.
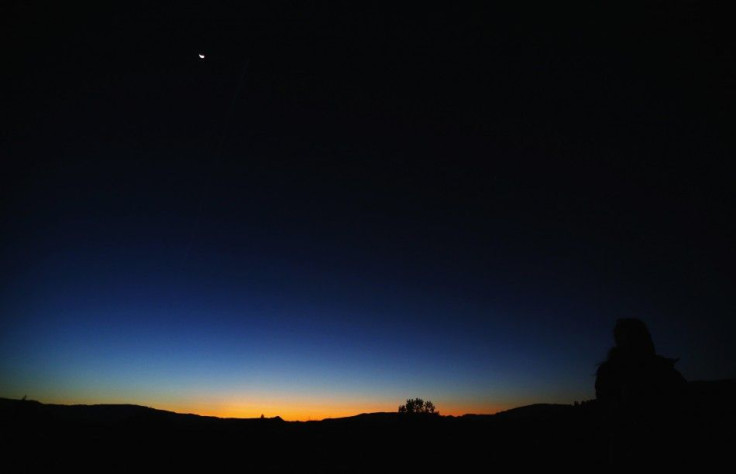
point(643, 395)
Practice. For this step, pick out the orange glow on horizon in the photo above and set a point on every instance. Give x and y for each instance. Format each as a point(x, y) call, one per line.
point(319, 411)
point(311, 410)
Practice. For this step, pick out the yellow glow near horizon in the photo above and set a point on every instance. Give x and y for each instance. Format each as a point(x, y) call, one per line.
point(253, 404)
point(287, 408)
point(315, 413)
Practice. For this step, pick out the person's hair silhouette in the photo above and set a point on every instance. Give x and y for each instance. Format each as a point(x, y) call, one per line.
point(642, 393)
point(631, 335)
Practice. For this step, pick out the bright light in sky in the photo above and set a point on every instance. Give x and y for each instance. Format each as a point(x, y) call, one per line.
point(201, 56)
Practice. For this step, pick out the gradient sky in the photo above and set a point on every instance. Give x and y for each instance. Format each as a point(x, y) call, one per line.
point(455, 205)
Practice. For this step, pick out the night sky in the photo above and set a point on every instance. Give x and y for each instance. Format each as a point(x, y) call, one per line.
point(341, 207)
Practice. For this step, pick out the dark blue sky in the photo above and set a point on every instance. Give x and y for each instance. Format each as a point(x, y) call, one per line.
point(448, 204)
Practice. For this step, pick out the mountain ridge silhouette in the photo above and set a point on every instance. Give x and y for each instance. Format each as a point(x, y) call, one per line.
point(124, 437)
point(706, 394)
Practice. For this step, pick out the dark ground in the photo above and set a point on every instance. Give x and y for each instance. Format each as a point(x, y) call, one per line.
point(38, 437)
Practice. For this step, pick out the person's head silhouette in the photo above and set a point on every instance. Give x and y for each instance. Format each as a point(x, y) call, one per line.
point(632, 338)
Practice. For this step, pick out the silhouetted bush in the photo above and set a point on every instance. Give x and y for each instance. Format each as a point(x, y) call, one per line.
point(417, 406)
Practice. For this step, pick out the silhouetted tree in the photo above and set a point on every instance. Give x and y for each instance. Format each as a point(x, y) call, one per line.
point(417, 406)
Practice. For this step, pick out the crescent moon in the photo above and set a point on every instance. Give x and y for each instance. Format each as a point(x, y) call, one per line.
point(201, 56)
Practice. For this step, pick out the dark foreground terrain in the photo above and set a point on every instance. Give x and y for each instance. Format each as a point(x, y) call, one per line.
point(37, 437)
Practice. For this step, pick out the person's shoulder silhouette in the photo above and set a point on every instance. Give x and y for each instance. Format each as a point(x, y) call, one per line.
point(634, 375)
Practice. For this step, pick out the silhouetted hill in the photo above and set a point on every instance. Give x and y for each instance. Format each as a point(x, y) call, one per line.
point(111, 414)
point(364, 418)
point(39, 437)
point(714, 395)
point(536, 411)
